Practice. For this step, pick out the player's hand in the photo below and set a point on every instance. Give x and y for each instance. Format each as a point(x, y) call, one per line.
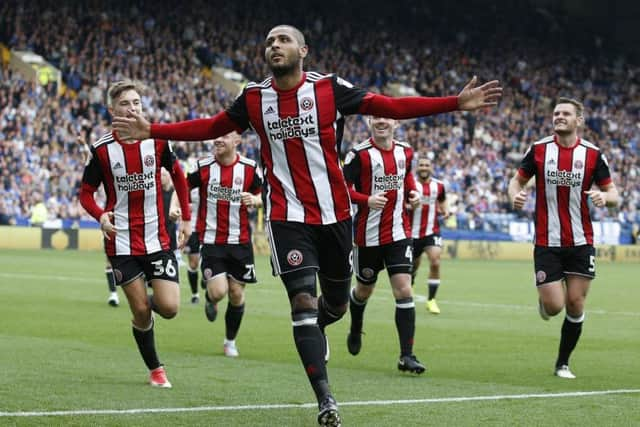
point(519, 199)
point(106, 225)
point(597, 197)
point(414, 198)
point(445, 215)
point(175, 215)
point(249, 199)
point(377, 201)
point(135, 127)
point(472, 98)
point(184, 232)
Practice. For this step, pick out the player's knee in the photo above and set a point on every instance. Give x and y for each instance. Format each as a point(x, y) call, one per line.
point(364, 291)
point(236, 294)
point(302, 302)
point(168, 310)
point(575, 308)
point(553, 308)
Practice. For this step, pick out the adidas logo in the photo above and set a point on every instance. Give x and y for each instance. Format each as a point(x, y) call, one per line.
point(270, 110)
point(117, 166)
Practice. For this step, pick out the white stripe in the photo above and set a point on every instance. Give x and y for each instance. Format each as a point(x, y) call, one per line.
point(318, 171)
point(211, 225)
point(406, 304)
point(575, 196)
point(305, 322)
point(551, 195)
point(151, 214)
point(267, 406)
point(121, 207)
point(274, 255)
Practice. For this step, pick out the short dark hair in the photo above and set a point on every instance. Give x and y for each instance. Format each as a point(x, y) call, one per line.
point(296, 33)
point(577, 104)
point(116, 89)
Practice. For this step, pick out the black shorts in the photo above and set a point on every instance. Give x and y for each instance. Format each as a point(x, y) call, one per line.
point(159, 265)
point(235, 261)
point(193, 244)
point(325, 248)
point(397, 257)
point(553, 264)
point(419, 245)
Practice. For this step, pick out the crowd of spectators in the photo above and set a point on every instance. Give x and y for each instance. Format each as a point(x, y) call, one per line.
point(430, 50)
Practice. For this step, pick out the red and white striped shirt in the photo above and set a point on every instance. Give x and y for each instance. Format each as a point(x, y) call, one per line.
point(130, 174)
point(300, 133)
point(424, 219)
point(222, 218)
point(300, 130)
point(371, 170)
point(563, 174)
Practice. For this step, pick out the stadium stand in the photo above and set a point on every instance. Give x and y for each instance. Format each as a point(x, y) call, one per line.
point(432, 49)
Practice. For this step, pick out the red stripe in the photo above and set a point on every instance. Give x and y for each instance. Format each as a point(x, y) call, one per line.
point(103, 156)
point(203, 206)
point(159, 147)
point(223, 206)
point(363, 210)
point(565, 163)
point(276, 200)
point(297, 162)
point(542, 218)
point(327, 114)
point(249, 173)
point(440, 192)
point(133, 164)
point(386, 218)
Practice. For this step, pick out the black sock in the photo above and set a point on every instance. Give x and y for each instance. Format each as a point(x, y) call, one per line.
point(338, 290)
point(570, 333)
point(193, 280)
point(310, 344)
point(147, 346)
point(111, 280)
point(406, 324)
point(433, 288)
point(232, 319)
point(325, 315)
point(356, 308)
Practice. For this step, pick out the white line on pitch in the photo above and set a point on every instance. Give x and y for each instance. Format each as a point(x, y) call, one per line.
point(313, 405)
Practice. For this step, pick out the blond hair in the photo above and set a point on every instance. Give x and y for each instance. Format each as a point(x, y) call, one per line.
point(116, 89)
point(577, 104)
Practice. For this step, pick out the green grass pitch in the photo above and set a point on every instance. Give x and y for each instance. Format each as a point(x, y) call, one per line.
point(68, 359)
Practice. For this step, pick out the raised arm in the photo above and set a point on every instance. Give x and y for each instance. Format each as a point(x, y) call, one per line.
point(470, 98)
point(137, 127)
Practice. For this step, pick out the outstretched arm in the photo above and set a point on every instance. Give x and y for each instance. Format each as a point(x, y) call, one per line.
point(137, 127)
point(470, 98)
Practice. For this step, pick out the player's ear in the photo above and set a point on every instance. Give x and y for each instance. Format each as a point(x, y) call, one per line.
point(304, 51)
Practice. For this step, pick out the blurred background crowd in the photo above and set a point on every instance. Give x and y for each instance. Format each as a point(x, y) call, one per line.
point(537, 53)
